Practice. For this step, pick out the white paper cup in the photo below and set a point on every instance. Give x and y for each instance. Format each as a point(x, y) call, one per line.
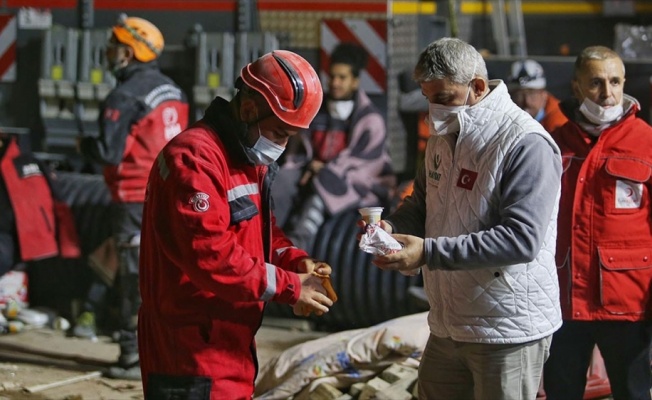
point(371, 215)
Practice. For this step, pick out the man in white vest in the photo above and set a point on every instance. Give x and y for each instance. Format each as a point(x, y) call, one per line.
point(481, 225)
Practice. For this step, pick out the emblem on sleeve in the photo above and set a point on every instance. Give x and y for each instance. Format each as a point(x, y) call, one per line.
point(199, 202)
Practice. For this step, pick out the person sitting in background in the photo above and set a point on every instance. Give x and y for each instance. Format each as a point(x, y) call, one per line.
point(34, 223)
point(138, 117)
point(527, 87)
point(341, 162)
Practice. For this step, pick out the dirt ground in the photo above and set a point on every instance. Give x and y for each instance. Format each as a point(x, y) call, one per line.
point(45, 364)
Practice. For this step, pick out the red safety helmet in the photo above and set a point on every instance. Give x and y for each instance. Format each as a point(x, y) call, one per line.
point(289, 84)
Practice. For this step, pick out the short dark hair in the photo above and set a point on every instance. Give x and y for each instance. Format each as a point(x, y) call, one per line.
point(350, 54)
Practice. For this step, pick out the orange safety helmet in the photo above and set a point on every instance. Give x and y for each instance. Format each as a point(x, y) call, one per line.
point(289, 84)
point(141, 35)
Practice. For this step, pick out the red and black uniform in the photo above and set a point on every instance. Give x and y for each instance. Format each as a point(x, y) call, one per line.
point(211, 256)
point(144, 111)
point(34, 224)
point(137, 118)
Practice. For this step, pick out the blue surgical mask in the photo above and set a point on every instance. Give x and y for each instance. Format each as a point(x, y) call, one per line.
point(264, 151)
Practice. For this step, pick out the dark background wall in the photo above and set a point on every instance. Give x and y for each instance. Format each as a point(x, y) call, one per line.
point(547, 36)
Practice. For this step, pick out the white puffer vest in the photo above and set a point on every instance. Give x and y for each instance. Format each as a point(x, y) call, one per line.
point(513, 304)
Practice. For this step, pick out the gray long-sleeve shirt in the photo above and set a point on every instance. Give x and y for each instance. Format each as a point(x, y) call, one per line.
point(525, 209)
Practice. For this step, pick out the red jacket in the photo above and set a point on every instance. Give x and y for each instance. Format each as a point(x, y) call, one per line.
point(604, 245)
point(137, 118)
point(211, 256)
point(44, 225)
point(553, 117)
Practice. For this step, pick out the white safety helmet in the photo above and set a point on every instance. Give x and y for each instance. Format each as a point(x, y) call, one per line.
point(526, 74)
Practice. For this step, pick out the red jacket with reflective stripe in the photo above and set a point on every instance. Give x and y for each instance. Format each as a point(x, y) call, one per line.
point(147, 137)
point(44, 225)
point(211, 255)
point(604, 245)
point(144, 111)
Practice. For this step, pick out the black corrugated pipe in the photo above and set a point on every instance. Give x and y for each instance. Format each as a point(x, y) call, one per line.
point(367, 295)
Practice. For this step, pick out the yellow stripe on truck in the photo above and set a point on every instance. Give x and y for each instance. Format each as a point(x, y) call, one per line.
point(548, 7)
point(414, 7)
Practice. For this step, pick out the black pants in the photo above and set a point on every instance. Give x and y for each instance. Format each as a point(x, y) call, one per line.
point(126, 223)
point(625, 348)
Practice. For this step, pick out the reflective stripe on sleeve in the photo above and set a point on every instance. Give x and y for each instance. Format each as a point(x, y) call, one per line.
point(242, 190)
point(282, 250)
point(271, 283)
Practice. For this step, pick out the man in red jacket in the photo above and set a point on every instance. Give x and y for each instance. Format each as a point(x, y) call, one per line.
point(138, 117)
point(604, 244)
point(211, 253)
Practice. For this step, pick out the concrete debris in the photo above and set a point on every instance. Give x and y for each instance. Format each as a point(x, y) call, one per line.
point(396, 382)
point(9, 386)
point(324, 391)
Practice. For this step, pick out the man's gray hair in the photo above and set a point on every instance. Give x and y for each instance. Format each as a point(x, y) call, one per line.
point(452, 59)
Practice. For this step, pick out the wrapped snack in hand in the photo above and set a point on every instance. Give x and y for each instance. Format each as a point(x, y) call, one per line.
point(326, 282)
point(378, 242)
point(330, 293)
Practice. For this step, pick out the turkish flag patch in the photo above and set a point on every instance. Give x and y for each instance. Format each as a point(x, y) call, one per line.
point(467, 179)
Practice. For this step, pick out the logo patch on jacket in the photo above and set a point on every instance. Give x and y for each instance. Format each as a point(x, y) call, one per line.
point(628, 194)
point(30, 169)
point(434, 174)
point(171, 122)
point(111, 114)
point(199, 202)
point(467, 179)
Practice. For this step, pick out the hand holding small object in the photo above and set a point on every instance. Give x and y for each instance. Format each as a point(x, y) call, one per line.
point(316, 294)
point(407, 260)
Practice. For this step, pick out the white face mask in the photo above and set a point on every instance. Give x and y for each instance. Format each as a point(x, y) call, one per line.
point(443, 119)
point(598, 114)
point(264, 151)
point(340, 109)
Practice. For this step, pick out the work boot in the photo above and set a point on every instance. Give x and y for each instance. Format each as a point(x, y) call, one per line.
point(131, 373)
point(85, 326)
point(127, 367)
